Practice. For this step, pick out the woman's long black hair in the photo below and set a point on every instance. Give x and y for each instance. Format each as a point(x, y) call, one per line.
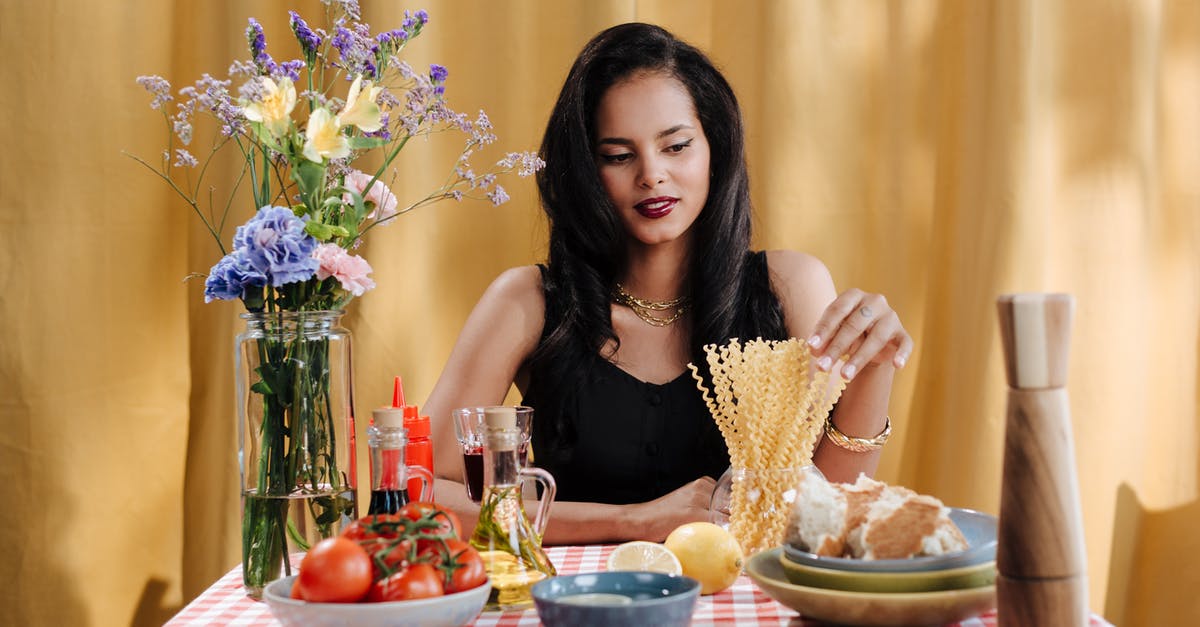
point(587, 239)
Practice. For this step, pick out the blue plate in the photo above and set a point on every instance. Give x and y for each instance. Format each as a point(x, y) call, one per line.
point(978, 528)
point(616, 599)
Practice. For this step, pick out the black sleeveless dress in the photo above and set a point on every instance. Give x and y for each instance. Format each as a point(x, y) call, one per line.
point(635, 441)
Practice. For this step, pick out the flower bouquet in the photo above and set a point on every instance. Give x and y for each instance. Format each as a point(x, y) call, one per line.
point(299, 128)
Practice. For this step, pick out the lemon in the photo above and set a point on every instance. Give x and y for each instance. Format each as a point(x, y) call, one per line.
point(708, 554)
point(641, 555)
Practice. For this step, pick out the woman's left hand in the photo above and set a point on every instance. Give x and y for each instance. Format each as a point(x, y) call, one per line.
point(863, 328)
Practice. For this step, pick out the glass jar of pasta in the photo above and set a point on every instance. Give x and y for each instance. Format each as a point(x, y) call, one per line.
point(754, 504)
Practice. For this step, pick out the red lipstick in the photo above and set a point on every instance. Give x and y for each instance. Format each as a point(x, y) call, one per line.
point(656, 207)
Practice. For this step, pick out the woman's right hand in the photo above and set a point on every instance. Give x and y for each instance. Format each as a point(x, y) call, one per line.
point(688, 503)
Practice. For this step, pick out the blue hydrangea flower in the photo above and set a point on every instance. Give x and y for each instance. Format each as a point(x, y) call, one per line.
point(275, 244)
point(229, 278)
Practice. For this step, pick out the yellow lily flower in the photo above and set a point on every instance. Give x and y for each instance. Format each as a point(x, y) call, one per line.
point(275, 109)
point(323, 138)
point(360, 109)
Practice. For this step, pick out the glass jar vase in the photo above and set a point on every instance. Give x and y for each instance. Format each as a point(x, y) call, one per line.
point(295, 437)
point(754, 504)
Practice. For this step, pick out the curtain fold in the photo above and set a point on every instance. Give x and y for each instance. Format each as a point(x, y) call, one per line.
point(939, 152)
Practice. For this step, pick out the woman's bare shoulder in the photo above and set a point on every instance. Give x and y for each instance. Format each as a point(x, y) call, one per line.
point(804, 287)
point(793, 266)
point(516, 298)
point(518, 285)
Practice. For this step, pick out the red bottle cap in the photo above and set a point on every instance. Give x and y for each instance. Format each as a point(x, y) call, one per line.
point(417, 425)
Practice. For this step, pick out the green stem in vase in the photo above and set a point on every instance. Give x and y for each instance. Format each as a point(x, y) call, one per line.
point(296, 537)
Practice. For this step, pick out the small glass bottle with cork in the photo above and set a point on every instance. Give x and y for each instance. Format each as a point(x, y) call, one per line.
point(386, 440)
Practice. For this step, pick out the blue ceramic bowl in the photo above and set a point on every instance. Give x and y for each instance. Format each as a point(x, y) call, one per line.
point(616, 599)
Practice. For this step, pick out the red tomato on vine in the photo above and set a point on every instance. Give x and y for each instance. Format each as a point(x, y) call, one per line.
point(418, 581)
point(425, 514)
point(335, 570)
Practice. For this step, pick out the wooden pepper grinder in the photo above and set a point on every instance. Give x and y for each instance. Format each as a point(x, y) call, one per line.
point(1040, 557)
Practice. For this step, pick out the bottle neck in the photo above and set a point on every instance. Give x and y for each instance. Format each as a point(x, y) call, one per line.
point(389, 470)
point(501, 458)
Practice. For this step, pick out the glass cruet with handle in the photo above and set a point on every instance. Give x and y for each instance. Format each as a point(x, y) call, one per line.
point(387, 440)
point(509, 544)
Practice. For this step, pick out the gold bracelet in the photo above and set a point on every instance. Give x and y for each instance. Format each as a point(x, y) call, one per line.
point(858, 445)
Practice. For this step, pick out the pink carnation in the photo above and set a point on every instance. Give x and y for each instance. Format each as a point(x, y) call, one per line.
point(385, 201)
point(350, 270)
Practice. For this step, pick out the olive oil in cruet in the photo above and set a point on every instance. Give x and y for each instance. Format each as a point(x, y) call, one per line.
point(509, 544)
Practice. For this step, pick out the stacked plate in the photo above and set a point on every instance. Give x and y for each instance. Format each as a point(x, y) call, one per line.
point(921, 590)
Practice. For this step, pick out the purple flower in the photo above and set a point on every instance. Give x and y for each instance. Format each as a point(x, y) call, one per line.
point(158, 87)
point(258, 48)
point(498, 196)
point(290, 69)
point(184, 158)
point(414, 21)
point(309, 41)
point(397, 36)
point(208, 94)
point(481, 130)
point(243, 68)
point(349, 7)
point(526, 163)
point(437, 76)
point(276, 245)
point(357, 50)
point(229, 278)
point(256, 39)
point(343, 40)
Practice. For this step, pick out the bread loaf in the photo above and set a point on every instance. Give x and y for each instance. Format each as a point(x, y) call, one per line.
point(869, 520)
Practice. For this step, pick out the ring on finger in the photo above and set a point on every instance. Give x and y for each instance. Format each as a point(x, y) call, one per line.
point(866, 312)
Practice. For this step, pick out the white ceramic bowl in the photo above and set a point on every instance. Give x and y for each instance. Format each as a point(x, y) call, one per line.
point(451, 610)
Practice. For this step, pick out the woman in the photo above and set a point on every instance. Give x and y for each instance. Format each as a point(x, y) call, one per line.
point(647, 196)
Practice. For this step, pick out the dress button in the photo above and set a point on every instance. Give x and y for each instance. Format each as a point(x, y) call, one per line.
point(655, 399)
point(652, 449)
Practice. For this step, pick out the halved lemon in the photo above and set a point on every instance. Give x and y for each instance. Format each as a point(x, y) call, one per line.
point(641, 555)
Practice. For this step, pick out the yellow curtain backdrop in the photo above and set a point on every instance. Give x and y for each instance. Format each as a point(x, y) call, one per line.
point(940, 152)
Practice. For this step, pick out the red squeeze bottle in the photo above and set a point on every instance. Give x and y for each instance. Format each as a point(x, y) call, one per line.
point(419, 451)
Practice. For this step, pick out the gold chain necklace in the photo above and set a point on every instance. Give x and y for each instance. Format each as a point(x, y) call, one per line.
point(645, 308)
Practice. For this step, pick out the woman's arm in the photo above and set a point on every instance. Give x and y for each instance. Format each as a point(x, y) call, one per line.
point(501, 332)
point(590, 523)
point(856, 324)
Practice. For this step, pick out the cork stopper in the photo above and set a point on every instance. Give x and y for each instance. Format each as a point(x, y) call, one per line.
point(389, 417)
point(1035, 332)
point(501, 422)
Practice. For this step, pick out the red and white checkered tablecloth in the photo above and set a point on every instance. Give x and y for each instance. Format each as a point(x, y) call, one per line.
point(226, 603)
